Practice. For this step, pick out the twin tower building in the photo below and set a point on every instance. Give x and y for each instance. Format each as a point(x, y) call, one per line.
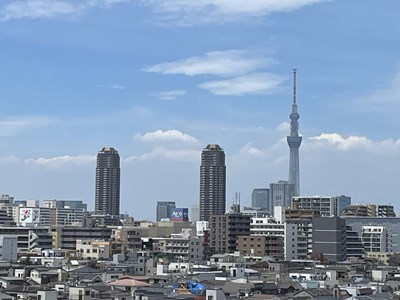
point(212, 173)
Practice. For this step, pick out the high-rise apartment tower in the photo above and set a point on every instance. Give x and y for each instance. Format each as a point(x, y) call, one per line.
point(294, 141)
point(212, 182)
point(107, 182)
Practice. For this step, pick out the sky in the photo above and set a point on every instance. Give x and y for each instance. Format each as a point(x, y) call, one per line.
point(158, 80)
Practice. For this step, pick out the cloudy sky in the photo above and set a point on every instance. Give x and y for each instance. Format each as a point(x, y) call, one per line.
point(160, 79)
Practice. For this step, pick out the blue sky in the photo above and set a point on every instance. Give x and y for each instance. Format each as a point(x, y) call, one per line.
point(160, 79)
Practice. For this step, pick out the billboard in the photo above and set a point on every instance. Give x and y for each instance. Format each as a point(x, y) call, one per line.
point(179, 215)
point(29, 215)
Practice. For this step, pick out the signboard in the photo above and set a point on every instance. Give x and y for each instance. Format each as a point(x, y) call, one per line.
point(180, 215)
point(29, 215)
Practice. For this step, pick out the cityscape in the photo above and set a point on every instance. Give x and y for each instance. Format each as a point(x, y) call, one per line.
point(205, 150)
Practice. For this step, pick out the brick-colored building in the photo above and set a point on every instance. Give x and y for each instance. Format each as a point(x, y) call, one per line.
point(261, 245)
point(224, 230)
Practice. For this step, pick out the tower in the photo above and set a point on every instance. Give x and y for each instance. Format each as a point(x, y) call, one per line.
point(107, 182)
point(294, 141)
point(212, 182)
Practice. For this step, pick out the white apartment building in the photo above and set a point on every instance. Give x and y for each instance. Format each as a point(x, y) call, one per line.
point(185, 246)
point(328, 206)
point(93, 249)
point(297, 235)
point(374, 238)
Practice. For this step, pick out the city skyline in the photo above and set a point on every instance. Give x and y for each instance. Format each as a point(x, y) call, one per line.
point(158, 82)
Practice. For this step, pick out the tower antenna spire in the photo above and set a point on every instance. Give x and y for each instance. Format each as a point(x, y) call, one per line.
point(294, 86)
point(294, 141)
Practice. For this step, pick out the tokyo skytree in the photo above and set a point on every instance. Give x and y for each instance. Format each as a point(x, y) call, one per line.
point(294, 141)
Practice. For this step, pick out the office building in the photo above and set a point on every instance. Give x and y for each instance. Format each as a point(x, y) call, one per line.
point(66, 236)
point(354, 246)
point(164, 210)
point(108, 171)
point(6, 200)
point(260, 199)
point(29, 239)
point(329, 238)
point(281, 193)
point(8, 247)
point(212, 182)
point(294, 141)
point(78, 204)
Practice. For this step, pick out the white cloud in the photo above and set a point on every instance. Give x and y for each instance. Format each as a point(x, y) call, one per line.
point(168, 154)
point(219, 63)
point(169, 95)
point(250, 150)
point(189, 12)
point(342, 143)
point(171, 135)
point(256, 83)
point(11, 126)
point(62, 161)
point(283, 127)
point(358, 143)
point(35, 9)
point(180, 12)
point(118, 87)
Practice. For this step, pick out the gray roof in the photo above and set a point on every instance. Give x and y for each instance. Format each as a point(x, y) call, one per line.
point(233, 288)
point(87, 270)
point(5, 296)
point(380, 296)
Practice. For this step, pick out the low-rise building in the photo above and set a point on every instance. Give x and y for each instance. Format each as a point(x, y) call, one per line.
point(93, 249)
point(261, 245)
point(68, 235)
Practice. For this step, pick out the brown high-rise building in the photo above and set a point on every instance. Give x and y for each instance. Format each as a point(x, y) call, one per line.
point(212, 182)
point(108, 170)
point(225, 229)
